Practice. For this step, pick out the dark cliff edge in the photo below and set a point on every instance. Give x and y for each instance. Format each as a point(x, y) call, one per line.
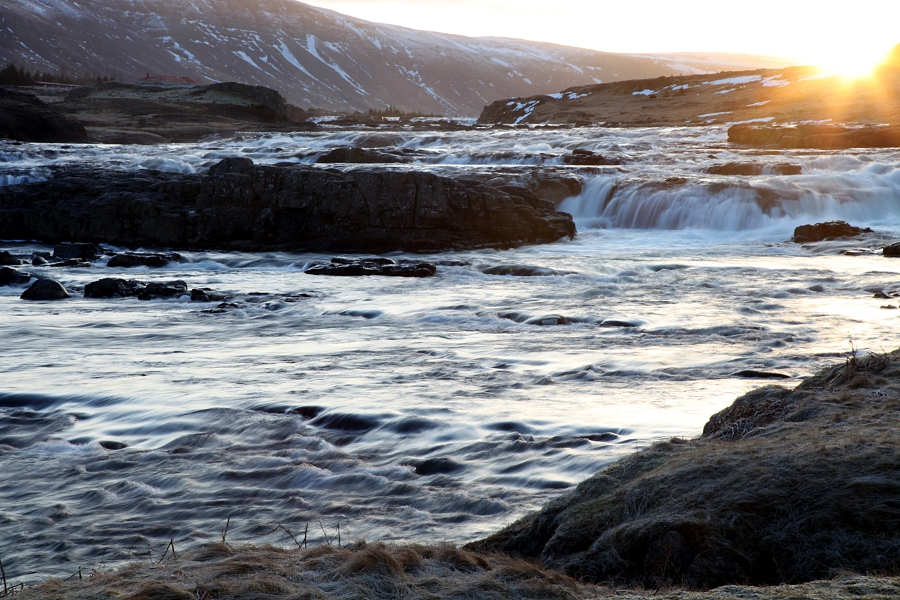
point(242, 206)
point(784, 486)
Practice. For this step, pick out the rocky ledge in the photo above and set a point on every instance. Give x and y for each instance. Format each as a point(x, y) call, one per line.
point(242, 206)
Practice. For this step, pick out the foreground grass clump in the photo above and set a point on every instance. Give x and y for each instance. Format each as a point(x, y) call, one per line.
point(361, 571)
point(784, 486)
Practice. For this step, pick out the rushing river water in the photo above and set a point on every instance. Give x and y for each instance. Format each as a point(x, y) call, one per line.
point(422, 409)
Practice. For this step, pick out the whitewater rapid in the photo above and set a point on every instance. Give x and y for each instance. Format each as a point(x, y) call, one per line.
point(423, 409)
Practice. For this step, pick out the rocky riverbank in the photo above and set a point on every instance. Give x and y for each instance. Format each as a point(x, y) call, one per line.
point(784, 486)
point(241, 206)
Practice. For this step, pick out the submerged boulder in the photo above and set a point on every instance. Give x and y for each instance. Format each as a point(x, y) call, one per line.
point(830, 230)
point(893, 250)
point(45, 289)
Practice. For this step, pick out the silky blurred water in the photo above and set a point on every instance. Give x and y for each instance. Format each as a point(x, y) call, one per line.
point(422, 409)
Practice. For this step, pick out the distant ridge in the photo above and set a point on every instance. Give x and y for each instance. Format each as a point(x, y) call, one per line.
point(313, 56)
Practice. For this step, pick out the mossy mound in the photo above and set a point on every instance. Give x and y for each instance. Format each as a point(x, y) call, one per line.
point(784, 486)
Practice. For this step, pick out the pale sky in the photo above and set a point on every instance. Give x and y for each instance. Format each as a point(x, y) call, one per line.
point(812, 32)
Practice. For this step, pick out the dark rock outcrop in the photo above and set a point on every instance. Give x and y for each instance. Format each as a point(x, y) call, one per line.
point(25, 118)
point(892, 251)
point(132, 259)
point(830, 230)
point(581, 157)
point(239, 205)
point(824, 137)
point(8, 259)
point(70, 251)
point(365, 156)
point(754, 169)
point(345, 267)
point(110, 287)
point(10, 276)
point(523, 271)
point(45, 289)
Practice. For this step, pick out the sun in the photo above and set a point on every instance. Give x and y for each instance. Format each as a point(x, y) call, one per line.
point(853, 61)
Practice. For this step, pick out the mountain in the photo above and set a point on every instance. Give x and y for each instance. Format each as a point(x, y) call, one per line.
point(313, 56)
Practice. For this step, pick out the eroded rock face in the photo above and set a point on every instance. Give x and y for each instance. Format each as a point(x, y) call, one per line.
point(25, 118)
point(830, 230)
point(239, 205)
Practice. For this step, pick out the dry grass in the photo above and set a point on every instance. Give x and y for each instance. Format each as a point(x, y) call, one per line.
point(785, 486)
point(220, 572)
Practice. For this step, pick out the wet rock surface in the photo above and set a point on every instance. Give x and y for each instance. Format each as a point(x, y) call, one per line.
point(45, 289)
point(239, 205)
point(581, 157)
point(110, 287)
point(523, 271)
point(830, 230)
point(748, 169)
point(359, 267)
point(366, 156)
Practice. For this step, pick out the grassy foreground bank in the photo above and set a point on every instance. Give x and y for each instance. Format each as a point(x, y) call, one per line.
point(794, 486)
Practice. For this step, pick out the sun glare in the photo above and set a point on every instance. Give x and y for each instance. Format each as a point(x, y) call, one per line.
point(853, 62)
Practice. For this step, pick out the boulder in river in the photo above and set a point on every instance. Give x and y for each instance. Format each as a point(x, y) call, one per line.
point(70, 251)
point(581, 157)
point(893, 250)
point(111, 287)
point(45, 289)
point(356, 267)
point(10, 276)
point(830, 230)
point(133, 259)
point(524, 271)
point(8, 259)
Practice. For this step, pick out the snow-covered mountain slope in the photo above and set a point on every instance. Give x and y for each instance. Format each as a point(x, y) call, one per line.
point(315, 57)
